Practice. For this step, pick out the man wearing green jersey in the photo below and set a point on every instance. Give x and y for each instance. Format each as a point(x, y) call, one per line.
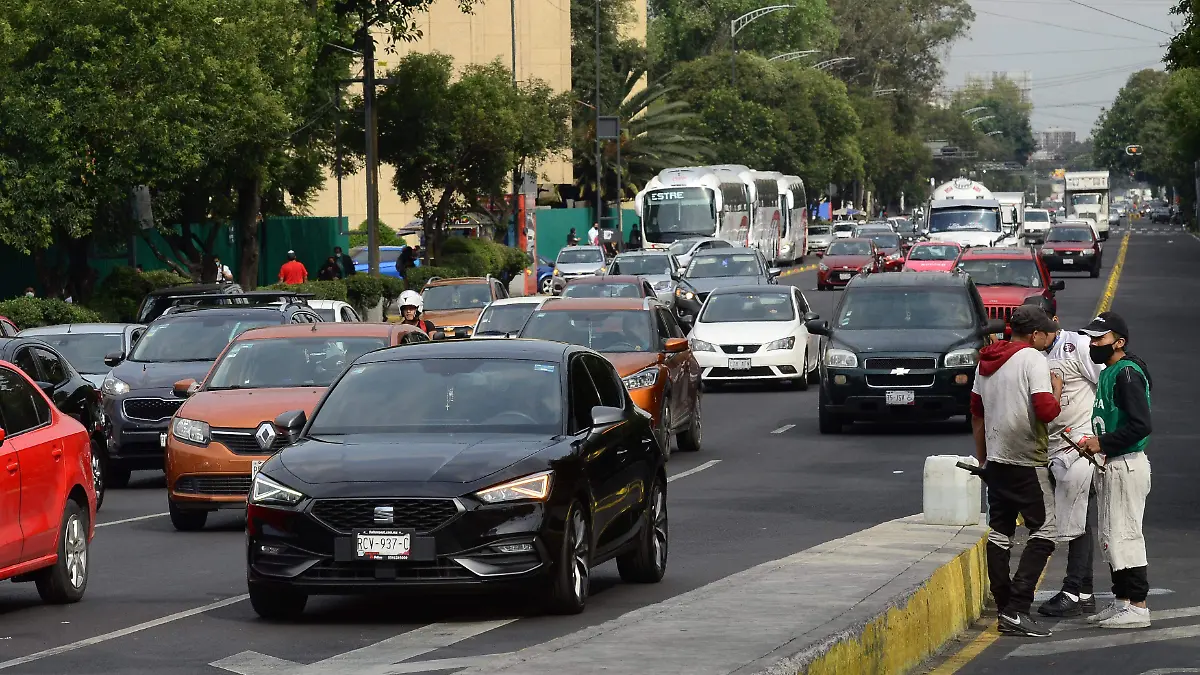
point(1121, 428)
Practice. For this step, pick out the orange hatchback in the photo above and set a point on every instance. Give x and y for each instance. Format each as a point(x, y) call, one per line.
point(641, 338)
point(224, 431)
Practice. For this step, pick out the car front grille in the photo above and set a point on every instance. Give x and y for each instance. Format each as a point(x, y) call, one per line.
point(242, 442)
point(374, 571)
point(900, 380)
point(422, 515)
point(214, 485)
point(1000, 312)
point(150, 409)
point(922, 363)
point(740, 349)
point(756, 371)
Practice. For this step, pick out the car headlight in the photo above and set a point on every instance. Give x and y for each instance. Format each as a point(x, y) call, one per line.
point(266, 491)
point(113, 387)
point(782, 343)
point(641, 379)
point(662, 286)
point(1047, 251)
point(840, 358)
point(699, 345)
point(894, 256)
point(192, 431)
point(535, 487)
point(784, 248)
point(685, 294)
point(962, 358)
point(823, 267)
point(557, 273)
point(1087, 251)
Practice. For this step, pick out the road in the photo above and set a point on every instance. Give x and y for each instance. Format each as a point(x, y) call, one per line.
point(766, 485)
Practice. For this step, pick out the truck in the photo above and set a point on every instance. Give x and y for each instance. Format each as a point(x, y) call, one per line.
point(1086, 198)
point(1012, 212)
point(965, 212)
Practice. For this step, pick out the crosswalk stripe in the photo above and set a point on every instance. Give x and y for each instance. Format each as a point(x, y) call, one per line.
point(1156, 615)
point(1121, 639)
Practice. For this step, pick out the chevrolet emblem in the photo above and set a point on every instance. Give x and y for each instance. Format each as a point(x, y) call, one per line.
point(899, 371)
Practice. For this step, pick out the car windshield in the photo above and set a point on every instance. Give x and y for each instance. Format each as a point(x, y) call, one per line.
point(682, 246)
point(933, 252)
point(288, 362)
point(849, 248)
point(456, 296)
point(195, 337)
point(449, 396)
point(600, 329)
point(388, 256)
point(1072, 234)
point(1088, 199)
point(573, 256)
point(614, 290)
point(964, 220)
point(501, 319)
point(748, 306)
point(902, 308)
point(1037, 217)
point(843, 227)
point(86, 351)
point(904, 225)
point(885, 240)
point(818, 230)
point(675, 213)
point(1003, 272)
point(649, 265)
point(723, 265)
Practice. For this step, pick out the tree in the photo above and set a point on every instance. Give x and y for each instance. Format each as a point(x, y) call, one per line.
point(1136, 118)
point(894, 163)
point(454, 143)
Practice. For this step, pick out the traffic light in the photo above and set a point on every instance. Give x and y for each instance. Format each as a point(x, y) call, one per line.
point(1133, 150)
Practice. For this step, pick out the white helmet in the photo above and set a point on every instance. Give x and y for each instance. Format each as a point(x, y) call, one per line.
point(411, 299)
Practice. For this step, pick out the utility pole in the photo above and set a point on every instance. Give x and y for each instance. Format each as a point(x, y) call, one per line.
point(516, 175)
point(372, 150)
point(599, 157)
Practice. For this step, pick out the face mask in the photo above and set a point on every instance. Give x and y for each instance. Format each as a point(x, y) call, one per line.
point(1101, 353)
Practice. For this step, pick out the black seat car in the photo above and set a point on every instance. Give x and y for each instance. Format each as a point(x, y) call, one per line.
point(902, 346)
point(183, 343)
point(460, 465)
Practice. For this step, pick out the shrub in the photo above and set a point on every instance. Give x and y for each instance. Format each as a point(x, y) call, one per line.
point(481, 257)
point(392, 287)
point(321, 290)
point(34, 312)
point(119, 294)
point(418, 276)
point(364, 291)
point(387, 236)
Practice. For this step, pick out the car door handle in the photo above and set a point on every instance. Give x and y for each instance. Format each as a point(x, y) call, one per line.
point(56, 453)
point(12, 468)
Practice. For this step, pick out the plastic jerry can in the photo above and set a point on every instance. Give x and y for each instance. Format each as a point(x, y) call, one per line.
point(952, 495)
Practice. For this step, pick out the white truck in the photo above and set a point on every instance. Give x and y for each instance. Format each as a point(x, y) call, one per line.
point(965, 212)
point(1012, 212)
point(1086, 198)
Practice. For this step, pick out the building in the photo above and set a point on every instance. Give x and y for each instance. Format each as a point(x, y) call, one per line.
point(1054, 139)
point(1022, 79)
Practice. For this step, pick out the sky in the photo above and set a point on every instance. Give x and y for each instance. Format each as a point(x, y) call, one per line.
point(1079, 57)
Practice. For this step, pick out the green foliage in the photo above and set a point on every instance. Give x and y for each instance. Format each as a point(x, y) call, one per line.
point(391, 288)
point(418, 276)
point(117, 297)
point(34, 312)
point(387, 236)
point(480, 257)
point(1137, 116)
point(364, 291)
point(1183, 51)
point(320, 290)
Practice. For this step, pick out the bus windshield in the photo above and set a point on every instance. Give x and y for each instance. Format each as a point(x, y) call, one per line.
point(963, 220)
point(679, 213)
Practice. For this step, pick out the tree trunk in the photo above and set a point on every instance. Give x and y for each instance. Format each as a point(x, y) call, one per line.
point(248, 207)
point(49, 275)
point(82, 278)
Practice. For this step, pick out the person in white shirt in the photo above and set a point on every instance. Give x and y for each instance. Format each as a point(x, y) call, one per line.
point(594, 236)
point(224, 276)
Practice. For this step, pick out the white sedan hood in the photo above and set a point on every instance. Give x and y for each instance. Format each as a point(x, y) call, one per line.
point(744, 332)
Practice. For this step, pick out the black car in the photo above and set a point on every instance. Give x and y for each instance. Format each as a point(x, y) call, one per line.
point(460, 465)
point(709, 270)
point(902, 346)
point(70, 391)
point(156, 303)
point(183, 343)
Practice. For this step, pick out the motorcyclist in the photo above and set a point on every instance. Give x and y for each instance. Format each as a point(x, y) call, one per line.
point(410, 311)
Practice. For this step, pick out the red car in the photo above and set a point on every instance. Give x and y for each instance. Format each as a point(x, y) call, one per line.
point(891, 247)
point(47, 496)
point(846, 258)
point(7, 327)
point(1006, 276)
point(1072, 249)
point(935, 256)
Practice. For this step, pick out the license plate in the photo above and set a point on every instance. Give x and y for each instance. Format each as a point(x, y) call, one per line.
point(900, 397)
point(1068, 261)
point(382, 545)
point(739, 364)
point(255, 465)
point(162, 440)
point(844, 275)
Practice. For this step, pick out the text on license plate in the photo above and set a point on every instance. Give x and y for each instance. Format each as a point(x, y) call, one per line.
point(739, 364)
point(255, 465)
point(844, 275)
point(900, 397)
point(1068, 261)
point(162, 440)
point(382, 545)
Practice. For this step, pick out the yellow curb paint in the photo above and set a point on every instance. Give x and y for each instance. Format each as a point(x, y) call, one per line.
point(798, 270)
point(1110, 290)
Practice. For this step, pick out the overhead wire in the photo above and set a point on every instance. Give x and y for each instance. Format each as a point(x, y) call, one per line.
point(1058, 51)
point(1118, 16)
point(1058, 26)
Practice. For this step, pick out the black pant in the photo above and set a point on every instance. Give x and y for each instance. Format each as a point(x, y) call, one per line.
point(1080, 552)
point(1130, 583)
point(1012, 491)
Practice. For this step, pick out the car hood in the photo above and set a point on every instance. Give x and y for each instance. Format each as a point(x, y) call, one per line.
point(1006, 295)
point(929, 265)
point(95, 379)
point(628, 363)
point(656, 279)
point(969, 238)
point(579, 268)
point(921, 340)
point(1068, 245)
point(246, 408)
point(384, 458)
point(159, 375)
point(742, 332)
point(854, 261)
point(452, 318)
point(707, 284)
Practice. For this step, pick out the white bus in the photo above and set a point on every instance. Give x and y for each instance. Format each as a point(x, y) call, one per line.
point(793, 243)
point(689, 202)
point(765, 217)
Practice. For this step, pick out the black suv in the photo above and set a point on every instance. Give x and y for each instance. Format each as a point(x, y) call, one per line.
point(138, 393)
point(156, 303)
point(901, 346)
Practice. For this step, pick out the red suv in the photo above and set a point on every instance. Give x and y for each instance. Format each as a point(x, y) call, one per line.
point(1072, 249)
point(47, 496)
point(1006, 276)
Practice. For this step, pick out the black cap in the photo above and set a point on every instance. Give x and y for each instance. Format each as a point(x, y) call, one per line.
point(1041, 302)
point(1027, 320)
point(1107, 322)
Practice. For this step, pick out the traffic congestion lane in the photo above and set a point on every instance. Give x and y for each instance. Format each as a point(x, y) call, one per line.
point(769, 495)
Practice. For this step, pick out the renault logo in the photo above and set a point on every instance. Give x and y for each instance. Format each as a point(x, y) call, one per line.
point(384, 515)
point(265, 435)
point(899, 371)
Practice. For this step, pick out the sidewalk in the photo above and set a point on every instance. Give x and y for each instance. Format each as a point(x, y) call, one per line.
point(878, 601)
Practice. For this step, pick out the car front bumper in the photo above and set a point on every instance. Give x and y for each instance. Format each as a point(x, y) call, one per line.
point(204, 478)
point(836, 277)
point(1068, 262)
point(776, 364)
point(937, 394)
point(134, 439)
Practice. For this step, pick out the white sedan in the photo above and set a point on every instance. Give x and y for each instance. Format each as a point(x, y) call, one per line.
point(506, 316)
point(756, 333)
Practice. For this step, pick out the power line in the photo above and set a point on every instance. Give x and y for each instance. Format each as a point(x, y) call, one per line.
point(1118, 16)
point(1059, 26)
point(1071, 78)
point(1059, 51)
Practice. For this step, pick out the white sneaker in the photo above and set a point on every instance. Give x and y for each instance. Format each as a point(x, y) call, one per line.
point(1108, 612)
point(1130, 617)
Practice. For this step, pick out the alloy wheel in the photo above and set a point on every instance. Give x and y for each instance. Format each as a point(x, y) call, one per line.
point(97, 474)
point(75, 547)
point(658, 514)
point(579, 557)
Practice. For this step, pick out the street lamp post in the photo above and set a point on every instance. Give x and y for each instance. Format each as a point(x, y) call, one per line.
point(977, 120)
point(741, 22)
point(974, 110)
point(792, 56)
point(825, 65)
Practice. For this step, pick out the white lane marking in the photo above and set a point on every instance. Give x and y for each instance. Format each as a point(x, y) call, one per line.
point(1155, 615)
point(683, 474)
point(1042, 596)
point(1123, 639)
point(784, 428)
point(380, 658)
point(1168, 671)
point(444, 664)
point(132, 520)
point(54, 651)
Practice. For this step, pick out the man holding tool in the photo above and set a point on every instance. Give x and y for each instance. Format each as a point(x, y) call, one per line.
point(1013, 399)
point(1121, 428)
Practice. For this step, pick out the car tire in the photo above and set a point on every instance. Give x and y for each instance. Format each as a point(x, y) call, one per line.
point(66, 580)
point(571, 580)
point(1096, 270)
point(117, 476)
point(99, 471)
point(814, 376)
point(277, 604)
point(663, 433)
point(827, 421)
point(802, 382)
point(689, 439)
point(646, 563)
point(185, 520)
point(822, 287)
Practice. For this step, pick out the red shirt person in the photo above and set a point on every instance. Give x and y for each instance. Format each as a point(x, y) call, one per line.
point(293, 271)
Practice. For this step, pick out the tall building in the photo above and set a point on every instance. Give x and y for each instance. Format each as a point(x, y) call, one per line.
point(1023, 79)
point(1053, 139)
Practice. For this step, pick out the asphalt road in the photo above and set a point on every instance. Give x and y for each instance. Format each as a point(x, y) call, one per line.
point(1157, 295)
point(167, 602)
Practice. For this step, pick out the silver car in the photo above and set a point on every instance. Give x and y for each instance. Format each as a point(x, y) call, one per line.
point(87, 346)
point(684, 249)
point(660, 268)
point(579, 261)
point(819, 238)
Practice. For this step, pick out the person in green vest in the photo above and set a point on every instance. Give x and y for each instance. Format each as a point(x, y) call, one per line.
point(1121, 424)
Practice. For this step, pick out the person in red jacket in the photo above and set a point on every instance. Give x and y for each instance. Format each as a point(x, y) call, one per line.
point(293, 271)
point(1015, 396)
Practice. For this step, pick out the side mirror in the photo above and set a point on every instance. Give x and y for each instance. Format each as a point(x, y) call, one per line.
point(675, 345)
point(676, 276)
point(774, 272)
point(810, 316)
point(604, 416)
point(45, 386)
point(994, 326)
point(817, 327)
point(1058, 285)
point(185, 388)
point(114, 359)
point(290, 424)
point(2, 435)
